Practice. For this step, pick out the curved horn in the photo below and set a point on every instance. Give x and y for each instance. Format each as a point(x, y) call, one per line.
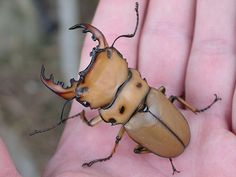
point(96, 34)
point(67, 93)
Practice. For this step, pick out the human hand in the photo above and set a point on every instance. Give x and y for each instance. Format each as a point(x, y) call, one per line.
point(186, 46)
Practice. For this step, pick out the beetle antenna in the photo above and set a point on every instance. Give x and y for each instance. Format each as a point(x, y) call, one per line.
point(56, 125)
point(136, 27)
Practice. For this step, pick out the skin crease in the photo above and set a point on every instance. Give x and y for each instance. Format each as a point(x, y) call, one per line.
point(187, 46)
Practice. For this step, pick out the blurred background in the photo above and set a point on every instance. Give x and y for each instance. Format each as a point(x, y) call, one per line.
point(32, 33)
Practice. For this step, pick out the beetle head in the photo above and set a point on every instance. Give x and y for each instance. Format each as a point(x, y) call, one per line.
point(101, 79)
point(98, 83)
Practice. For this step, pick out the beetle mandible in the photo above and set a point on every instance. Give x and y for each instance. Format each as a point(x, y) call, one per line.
point(123, 97)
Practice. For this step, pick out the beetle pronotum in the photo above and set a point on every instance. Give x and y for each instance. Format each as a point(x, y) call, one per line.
point(145, 113)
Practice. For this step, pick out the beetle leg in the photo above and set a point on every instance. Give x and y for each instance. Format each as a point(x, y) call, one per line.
point(140, 149)
point(162, 89)
point(92, 122)
point(192, 108)
point(173, 167)
point(172, 98)
point(118, 138)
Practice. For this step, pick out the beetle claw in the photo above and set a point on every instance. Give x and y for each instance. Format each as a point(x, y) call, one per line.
point(173, 167)
point(175, 171)
point(87, 164)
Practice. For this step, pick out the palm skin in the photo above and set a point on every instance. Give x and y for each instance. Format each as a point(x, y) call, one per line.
point(186, 46)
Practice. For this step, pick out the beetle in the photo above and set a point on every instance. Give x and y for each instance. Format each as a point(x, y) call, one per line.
point(123, 97)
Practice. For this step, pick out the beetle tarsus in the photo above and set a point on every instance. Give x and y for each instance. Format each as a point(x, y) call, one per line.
point(58, 124)
point(48, 129)
point(89, 164)
point(54, 126)
point(172, 98)
point(173, 167)
point(45, 130)
point(210, 105)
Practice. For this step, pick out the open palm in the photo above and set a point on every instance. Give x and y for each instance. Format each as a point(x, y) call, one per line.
point(189, 47)
point(186, 47)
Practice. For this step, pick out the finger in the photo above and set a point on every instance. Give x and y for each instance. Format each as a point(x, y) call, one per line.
point(165, 43)
point(212, 64)
point(115, 18)
point(7, 168)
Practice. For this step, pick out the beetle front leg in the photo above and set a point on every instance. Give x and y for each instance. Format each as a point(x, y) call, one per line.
point(190, 107)
point(94, 121)
point(118, 138)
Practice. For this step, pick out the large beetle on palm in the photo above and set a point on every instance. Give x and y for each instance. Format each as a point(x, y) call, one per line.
point(123, 97)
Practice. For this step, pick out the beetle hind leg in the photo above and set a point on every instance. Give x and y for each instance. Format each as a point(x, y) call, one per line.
point(192, 108)
point(173, 167)
point(209, 106)
point(139, 149)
